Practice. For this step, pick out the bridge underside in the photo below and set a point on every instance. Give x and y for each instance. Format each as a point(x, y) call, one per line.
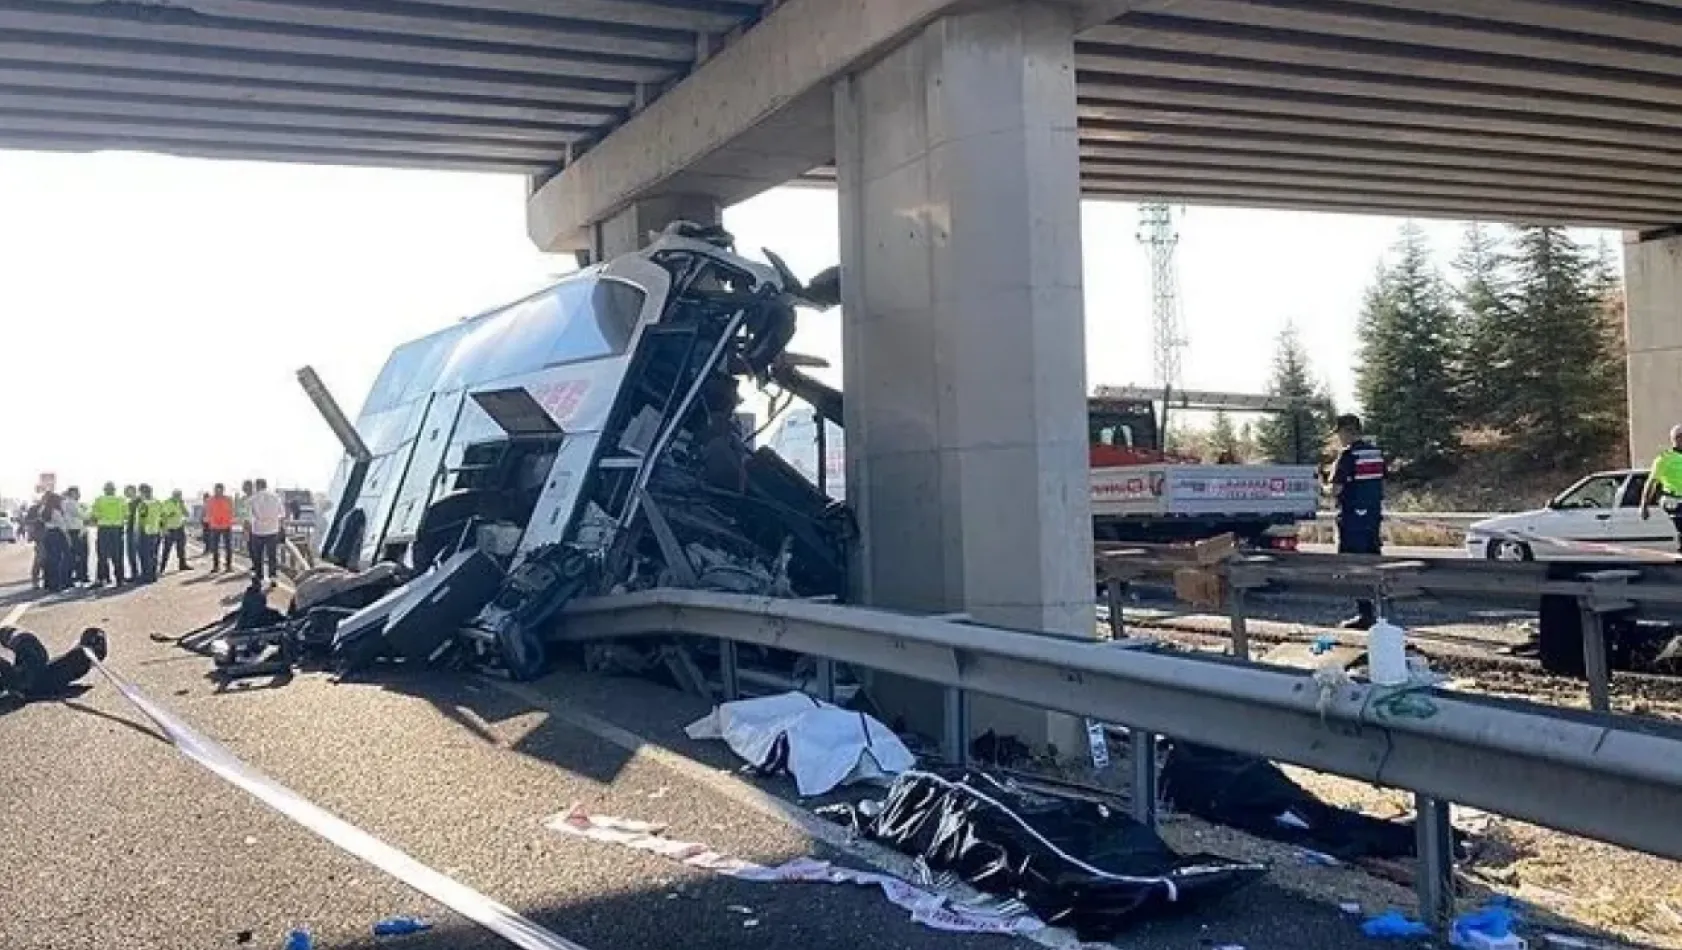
point(478, 85)
point(1498, 109)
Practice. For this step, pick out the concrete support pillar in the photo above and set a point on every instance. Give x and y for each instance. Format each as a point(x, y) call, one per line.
point(958, 169)
point(631, 228)
point(1653, 288)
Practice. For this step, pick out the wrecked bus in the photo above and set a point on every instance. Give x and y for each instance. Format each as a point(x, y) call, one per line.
point(595, 422)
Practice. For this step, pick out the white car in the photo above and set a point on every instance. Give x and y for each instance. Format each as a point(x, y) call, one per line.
point(8, 530)
point(1601, 509)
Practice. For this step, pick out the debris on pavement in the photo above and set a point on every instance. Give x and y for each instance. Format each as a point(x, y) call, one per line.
point(300, 939)
point(400, 926)
point(1073, 862)
point(821, 745)
point(1393, 925)
point(32, 675)
point(1490, 927)
point(927, 908)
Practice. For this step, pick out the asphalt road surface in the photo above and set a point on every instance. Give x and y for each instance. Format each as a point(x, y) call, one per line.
point(112, 839)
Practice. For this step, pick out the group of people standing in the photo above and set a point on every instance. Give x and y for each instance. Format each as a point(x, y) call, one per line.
point(136, 533)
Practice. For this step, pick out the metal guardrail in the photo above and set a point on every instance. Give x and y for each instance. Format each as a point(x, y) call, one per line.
point(1653, 589)
point(1456, 519)
point(1612, 778)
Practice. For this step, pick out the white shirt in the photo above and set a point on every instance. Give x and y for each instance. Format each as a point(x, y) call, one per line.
point(267, 512)
point(73, 519)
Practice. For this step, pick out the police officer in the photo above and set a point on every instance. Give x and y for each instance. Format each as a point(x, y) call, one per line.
point(110, 514)
point(1666, 478)
point(149, 520)
point(174, 518)
point(1357, 484)
point(131, 531)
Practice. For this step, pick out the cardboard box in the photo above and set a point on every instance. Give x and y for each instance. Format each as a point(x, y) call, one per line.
point(1200, 587)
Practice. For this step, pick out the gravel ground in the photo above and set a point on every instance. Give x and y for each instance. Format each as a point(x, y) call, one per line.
point(113, 839)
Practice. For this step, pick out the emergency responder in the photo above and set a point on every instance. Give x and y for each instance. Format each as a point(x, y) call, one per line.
point(1357, 485)
point(131, 532)
point(174, 519)
point(110, 514)
point(1666, 478)
point(219, 529)
point(76, 527)
point(149, 519)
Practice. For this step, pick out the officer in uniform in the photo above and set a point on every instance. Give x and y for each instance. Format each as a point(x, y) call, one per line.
point(131, 532)
point(1666, 478)
point(149, 520)
point(1357, 485)
point(175, 531)
point(110, 513)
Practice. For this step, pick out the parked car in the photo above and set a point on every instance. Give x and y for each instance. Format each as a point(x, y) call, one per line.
point(1603, 508)
point(8, 529)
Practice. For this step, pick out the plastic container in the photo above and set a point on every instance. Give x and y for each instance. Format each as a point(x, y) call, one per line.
point(300, 939)
point(400, 926)
point(1387, 659)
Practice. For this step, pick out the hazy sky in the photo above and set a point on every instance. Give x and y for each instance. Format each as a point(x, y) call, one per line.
point(155, 309)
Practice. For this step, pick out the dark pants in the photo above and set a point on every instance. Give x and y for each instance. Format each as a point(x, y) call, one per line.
point(1360, 536)
point(79, 555)
point(265, 547)
point(55, 551)
point(131, 544)
point(108, 543)
point(204, 536)
point(220, 543)
point(175, 539)
point(148, 548)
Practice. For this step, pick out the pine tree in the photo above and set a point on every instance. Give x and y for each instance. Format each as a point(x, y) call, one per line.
point(1409, 349)
point(1294, 437)
point(1486, 316)
point(1223, 438)
point(1565, 406)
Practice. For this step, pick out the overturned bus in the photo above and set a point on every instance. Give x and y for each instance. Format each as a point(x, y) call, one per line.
point(595, 424)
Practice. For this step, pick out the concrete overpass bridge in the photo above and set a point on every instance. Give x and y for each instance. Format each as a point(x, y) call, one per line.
point(960, 135)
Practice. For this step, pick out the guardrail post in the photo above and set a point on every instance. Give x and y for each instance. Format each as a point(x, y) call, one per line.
point(729, 683)
point(1240, 622)
point(1113, 590)
point(1608, 591)
point(954, 742)
point(1595, 667)
point(1434, 878)
point(1142, 750)
point(825, 683)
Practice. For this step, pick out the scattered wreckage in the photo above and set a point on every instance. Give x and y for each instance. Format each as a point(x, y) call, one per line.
point(582, 441)
point(31, 674)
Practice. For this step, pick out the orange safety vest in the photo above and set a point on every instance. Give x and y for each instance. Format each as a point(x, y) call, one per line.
point(219, 512)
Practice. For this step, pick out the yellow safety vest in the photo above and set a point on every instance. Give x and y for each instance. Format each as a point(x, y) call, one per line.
point(174, 514)
point(109, 511)
point(151, 517)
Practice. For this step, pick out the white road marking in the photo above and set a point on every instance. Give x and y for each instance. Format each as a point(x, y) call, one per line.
point(15, 615)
